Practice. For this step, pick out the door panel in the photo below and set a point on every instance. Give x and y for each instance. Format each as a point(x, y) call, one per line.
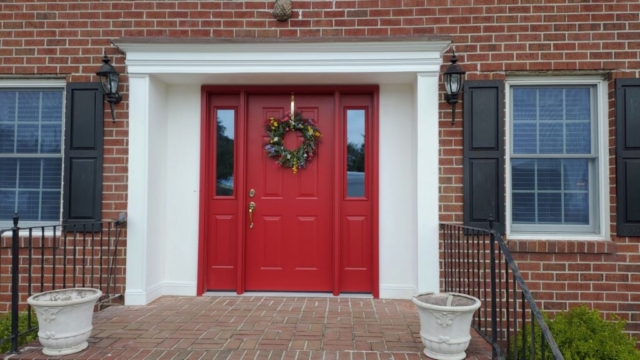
point(356, 247)
point(290, 246)
point(221, 221)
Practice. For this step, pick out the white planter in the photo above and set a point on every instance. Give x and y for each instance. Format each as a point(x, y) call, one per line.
point(65, 319)
point(445, 323)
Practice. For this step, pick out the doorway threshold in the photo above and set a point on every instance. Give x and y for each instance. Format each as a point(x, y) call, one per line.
point(288, 294)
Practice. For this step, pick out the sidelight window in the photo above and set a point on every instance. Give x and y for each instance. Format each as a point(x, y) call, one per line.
point(356, 153)
point(225, 134)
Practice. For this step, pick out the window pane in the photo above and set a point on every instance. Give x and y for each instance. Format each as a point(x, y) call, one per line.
point(7, 106)
point(8, 173)
point(578, 104)
point(50, 205)
point(550, 104)
point(524, 207)
point(39, 122)
point(525, 104)
point(51, 138)
point(523, 174)
point(29, 205)
point(576, 174)
point(224, 150)
point(576, 208)
point(29, 179)
point(549, 174)
point(52, 106)
point(578, 138)
point(52, 174)
point(552, 121)
point(355, 153)
point(27, 139)
point(29, 106)
point(29, 173)
point(551, 138)
point(549, 208)
point(524, 138)
point(7, 204)
point(7, 138)
point(550, 191)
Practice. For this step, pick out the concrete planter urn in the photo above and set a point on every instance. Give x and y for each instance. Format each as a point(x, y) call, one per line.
point(445, 323)
point(65, 319)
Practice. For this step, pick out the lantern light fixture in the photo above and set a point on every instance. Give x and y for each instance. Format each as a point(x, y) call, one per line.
point(109, 78)
point(453, 80)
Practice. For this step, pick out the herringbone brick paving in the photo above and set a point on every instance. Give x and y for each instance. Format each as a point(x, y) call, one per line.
point(258, 328)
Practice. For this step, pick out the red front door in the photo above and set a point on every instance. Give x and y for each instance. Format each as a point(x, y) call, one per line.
point(312, 231)
point(290, 245)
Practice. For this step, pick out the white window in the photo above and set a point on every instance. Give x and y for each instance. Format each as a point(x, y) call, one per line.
point(556, 162)
point(31, 123)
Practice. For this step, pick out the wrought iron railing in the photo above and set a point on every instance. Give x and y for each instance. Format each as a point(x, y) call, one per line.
point(477, 262)
point(43, 258)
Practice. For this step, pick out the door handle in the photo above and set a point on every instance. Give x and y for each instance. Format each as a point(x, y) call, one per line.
point(252, 206)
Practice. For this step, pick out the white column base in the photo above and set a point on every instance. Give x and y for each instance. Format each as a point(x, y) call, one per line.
point(168, 288)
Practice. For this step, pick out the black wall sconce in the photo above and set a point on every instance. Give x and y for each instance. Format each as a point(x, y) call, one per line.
point(453, 80)
point(109, 79)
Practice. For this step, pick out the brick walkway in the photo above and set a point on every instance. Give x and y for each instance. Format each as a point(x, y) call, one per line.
point(258, 328)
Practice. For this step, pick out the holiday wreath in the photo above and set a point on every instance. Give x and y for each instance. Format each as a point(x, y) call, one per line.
point(278, 129)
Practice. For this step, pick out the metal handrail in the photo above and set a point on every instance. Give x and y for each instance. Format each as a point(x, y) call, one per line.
point(465, 262)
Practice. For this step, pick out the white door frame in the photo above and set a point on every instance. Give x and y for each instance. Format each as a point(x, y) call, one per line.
point(150, 65)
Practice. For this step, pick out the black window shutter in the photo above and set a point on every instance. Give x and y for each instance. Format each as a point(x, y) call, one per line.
point(483, 154)
point(82, 200)
point(628, 156)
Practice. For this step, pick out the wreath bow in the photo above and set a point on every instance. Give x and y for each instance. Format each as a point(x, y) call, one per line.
point(278, 128)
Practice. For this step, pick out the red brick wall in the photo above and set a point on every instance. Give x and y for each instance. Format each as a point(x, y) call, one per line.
point(492, 37)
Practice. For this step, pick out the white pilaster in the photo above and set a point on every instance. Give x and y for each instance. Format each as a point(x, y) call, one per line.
point(427, 143)
point(137, 209)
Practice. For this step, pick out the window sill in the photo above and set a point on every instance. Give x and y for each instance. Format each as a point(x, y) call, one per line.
point(561, 246)
point(7, 238)
point(556, 236)
point(34, 233)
